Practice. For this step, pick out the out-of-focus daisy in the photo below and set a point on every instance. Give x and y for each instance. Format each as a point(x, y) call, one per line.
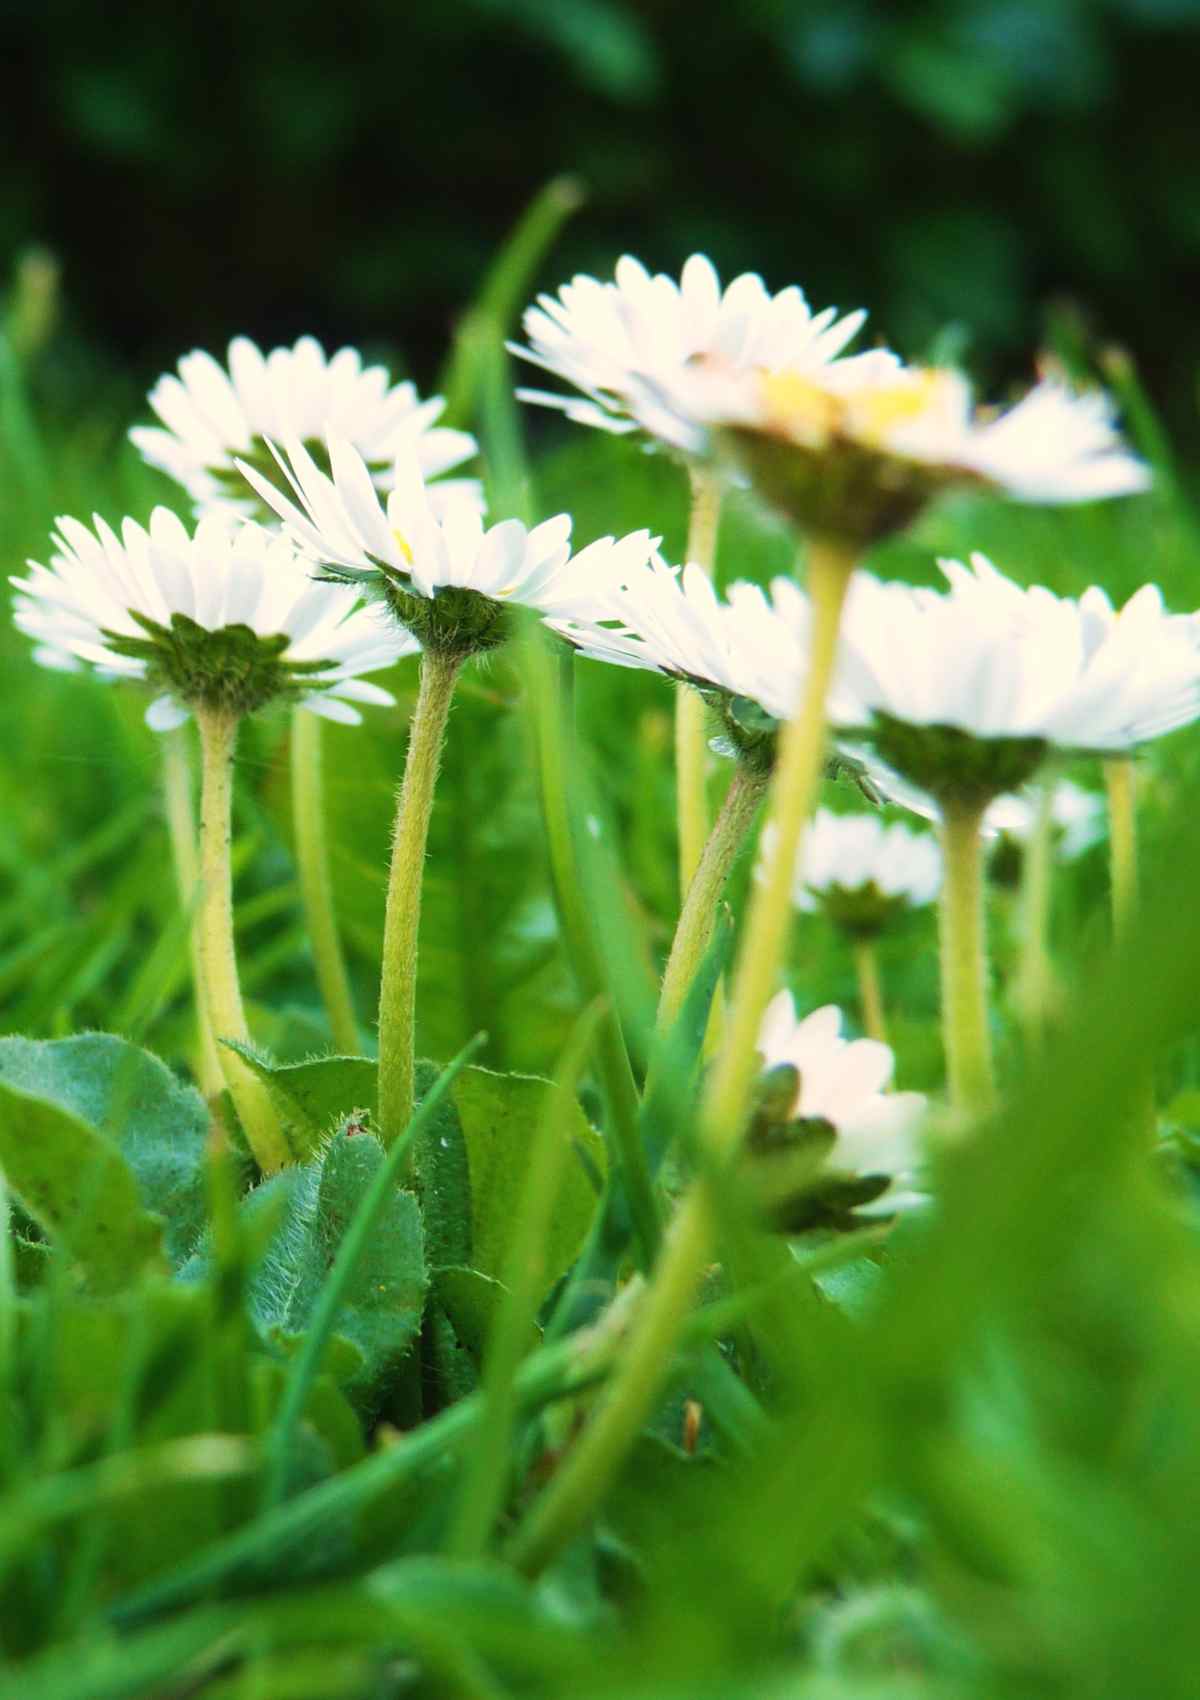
point(1076, 821)
point(831, 1091)
point(621, 343)
point(214, 415)
point(226, 615)
point(855, 449)
point(860, 872)
point(445, 577)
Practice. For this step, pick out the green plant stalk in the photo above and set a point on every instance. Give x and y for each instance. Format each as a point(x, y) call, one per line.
point(870, 986)
point(1119, 781)
point(307, 1361)
point(964, 960)
point(487, 1472)
point(1035, 975)
point(694, 930)
point(585, 955)
point(798, 766)
point(219, 974)
point(316, 884)
point(181, 827)
point(691, 713)
point(645, 1361)
point(398, 984)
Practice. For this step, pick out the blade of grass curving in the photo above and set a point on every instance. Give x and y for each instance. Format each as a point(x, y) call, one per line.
point(307, 1362)
point(577, 916)
point(662, 1113)
point(486, 1477)
point(504, 288)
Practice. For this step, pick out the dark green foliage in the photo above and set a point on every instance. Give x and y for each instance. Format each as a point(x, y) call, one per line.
point(381, 1308)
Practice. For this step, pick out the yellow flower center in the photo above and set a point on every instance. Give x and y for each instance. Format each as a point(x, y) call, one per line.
point(403, 545)
point(806, 412)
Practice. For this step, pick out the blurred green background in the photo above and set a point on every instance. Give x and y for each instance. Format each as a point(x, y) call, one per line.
point(275, 169)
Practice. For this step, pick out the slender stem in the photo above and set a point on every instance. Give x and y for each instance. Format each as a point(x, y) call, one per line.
point(964, 960)
point(1034, 972)
point(798, 765)
point(584, 952)
point(645, 1361)
point(691, 742)
point(694, 931)
point(219, 975)
point(316, 884)
point(181, 826)
point(870, 987)
point(398, 987)
point(1119, 779)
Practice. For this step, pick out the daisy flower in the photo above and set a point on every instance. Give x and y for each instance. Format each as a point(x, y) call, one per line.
point(860, 872)
point(855, 449)
point(446, 577)
point(964, 692)
point(624, 344)
point(214, 415)
point(840, 1085)
point(223, 615)
point(1076, 818)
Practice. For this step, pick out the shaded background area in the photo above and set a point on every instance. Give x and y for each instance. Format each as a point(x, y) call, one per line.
point(275, 168)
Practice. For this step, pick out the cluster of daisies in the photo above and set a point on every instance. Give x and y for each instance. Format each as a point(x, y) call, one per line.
point(337, 532)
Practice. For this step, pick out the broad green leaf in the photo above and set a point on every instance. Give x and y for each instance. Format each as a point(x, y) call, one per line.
point(384, 1298)
point(313, 1097)
point(131, 1099)
point(471, 1300)
point(75, 1183)
point(498, 1114)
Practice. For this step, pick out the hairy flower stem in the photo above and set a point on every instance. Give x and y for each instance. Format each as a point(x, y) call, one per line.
point(964, 961)
point(694, 931)
point(1120, 782)
point(219, 975)
point(691, 739)
point(645, 1361)
point(1122, 841)
point(398, 984)
point(316, 886)
point(181, 826)
point(552, 719)
point(1034, 972)
point(870, 987)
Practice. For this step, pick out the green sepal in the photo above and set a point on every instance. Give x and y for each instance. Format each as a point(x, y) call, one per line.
point(233, 669)
point(953, 765)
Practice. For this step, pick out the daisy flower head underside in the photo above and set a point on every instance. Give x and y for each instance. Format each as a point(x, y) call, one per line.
point(855, 449)
point(444, 575)
point(746, 651)
point(223, 617)
point(837, 1087)
point(213, 415)
point(860, 872)
point(963, 692)
point(621, 343)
